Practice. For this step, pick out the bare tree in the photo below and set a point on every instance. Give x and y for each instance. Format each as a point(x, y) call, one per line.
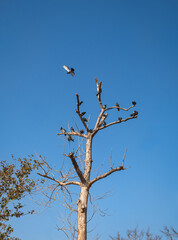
point(135, 234)
point(81, 159)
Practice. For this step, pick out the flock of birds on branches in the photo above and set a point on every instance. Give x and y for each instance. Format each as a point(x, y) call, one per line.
point(71, 71)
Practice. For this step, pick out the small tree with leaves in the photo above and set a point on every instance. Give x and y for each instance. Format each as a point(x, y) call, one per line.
point(79, 174)
point(15, 184)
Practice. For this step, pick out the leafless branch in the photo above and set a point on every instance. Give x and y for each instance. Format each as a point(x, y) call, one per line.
point(77, 169)
point(99, 90)
point(60, 183)
point(116, 122)
point(78, 112)
point(73, 134)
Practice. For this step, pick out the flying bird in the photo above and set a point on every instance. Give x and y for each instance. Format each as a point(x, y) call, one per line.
point(69, 70)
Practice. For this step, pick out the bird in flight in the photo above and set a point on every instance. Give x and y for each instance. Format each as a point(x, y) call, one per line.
point(69, 70)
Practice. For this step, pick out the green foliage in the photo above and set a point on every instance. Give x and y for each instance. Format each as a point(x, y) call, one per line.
point(15, 184)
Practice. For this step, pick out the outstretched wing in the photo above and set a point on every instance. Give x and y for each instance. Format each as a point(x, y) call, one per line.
point(72, 73)
point(66, 68)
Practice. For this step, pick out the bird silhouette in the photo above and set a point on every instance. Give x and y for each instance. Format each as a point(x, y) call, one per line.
point(63, 131)
point(69, 70)
point(82, 114)
point(81, 131)
point(117, 105)
point(80, 103)
point(72, 129)
point(134, 103)
point(70, 139)
point(134, 114)
point(120, 119)
point(85, 120)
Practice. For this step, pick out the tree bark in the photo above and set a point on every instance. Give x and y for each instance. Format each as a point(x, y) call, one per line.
point(82, 213)
point(83, 199)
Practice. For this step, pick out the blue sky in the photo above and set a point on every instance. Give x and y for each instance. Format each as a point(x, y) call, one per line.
point(131, 46)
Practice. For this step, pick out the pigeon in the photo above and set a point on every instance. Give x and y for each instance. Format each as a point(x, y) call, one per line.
point(104, 123)
point(120, 119)
point(82, 114)
point(81, 131)
point(72, 129)
point(99, 90)
point(103, 118)
point(117, 105)
point(69, 70)
point(134, 103)
point(134, 114)
point(70, 139)
point(85, 120)
point(63, 131)
point(80, 103)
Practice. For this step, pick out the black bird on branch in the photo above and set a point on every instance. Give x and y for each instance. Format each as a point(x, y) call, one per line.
point(85, 120)
point(63, 131)
point(70, 139)
point(69, 70)
point(105, 106)
point(104, 123)
point(72, 129)
point(120, 119)
point(82, 114)
point(117, 105)
point(81, 131)
point(134, 114)
point(134, 103)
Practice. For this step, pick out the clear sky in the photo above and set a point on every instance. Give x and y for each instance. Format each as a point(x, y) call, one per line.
point(132, 47)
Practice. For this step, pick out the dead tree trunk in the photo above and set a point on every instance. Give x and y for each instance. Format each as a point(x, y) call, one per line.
point(84, 181)
point(83, 199)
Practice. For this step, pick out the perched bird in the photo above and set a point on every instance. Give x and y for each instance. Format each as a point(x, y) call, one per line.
point(99, 90)
point(104, 106)
point(80, 103)
point(134, 103)
point(69, 70)
point(117, 105)
point(120, 119)
point(81, 131)
point(103, 118)
point(72, 129)
point(84, 119)
point(63, 131)
point(134, 114)
point(104, 123)
point(70, 139)
point(82, 114)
